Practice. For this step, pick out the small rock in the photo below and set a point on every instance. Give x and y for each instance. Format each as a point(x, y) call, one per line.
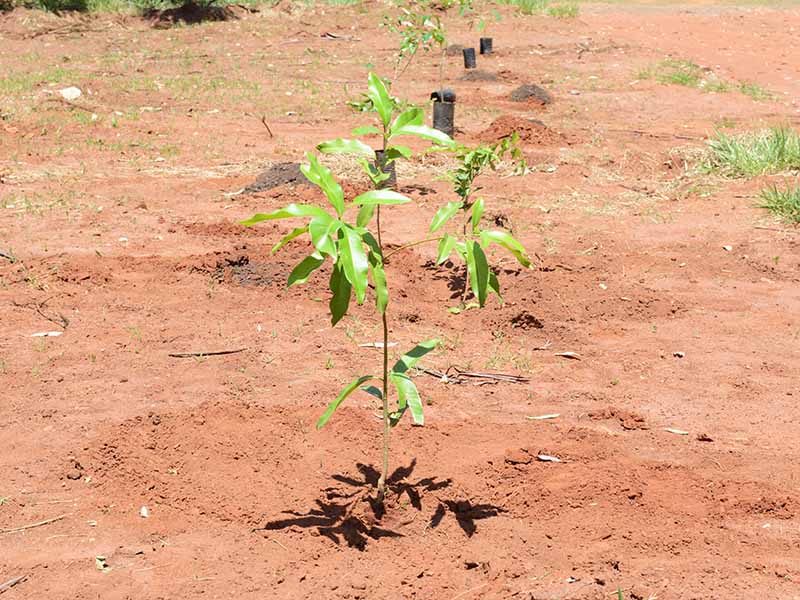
point(704, 437)
point(74, 474)
point(144, 512)
point(728, 248)
point(517, 456)
point(679, 354)
point(70, 93)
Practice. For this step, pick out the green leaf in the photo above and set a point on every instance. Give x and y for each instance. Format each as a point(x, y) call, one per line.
point(365, 130)
point(303, 270)
point(373, 391)
point(396, 152)
point(461, 248)
point(321, 176)
point(377, 92)
point(408, 395)
point(379, 279)
point(446, 245)
point(378, 272)
point(289, 237)
point(293, 210)
point(381, 197)
point(494, 286)
point(507, 241)
point(341, 289)
point(412, 116)
point(427, 133)
point(341, 146)
point(340, 398)
point(413, 356)
point(444, 214)
point(478, 270)
point(323, 234)
point(365, 215)
point(354, 260)
point(477, 214)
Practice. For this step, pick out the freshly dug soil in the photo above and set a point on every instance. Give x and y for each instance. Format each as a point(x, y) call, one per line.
point(479, 75)
point(285, 173)
point(531, 131)
point(532, 94)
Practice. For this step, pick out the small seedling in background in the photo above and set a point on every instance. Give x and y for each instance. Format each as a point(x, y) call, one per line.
point(356, 249)
point(472, 241)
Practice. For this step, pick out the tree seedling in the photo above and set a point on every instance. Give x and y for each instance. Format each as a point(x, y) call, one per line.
point(356, 251)
point(473, 241)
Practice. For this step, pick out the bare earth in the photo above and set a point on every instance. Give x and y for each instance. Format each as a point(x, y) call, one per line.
point(124, 226)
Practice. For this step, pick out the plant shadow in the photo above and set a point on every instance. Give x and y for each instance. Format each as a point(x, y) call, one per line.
point(353, 516)
point(454, 275)
point(191, 12)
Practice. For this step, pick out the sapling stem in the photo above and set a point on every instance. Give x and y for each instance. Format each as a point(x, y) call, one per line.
point(386, 426)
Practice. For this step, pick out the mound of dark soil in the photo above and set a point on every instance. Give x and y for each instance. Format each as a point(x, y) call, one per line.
point(532, 94)
point(277, 175)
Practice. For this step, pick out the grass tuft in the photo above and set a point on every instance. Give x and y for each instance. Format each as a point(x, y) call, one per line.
point(755, 91)
point(783, 203)
point(756, 153)
point(563, 11)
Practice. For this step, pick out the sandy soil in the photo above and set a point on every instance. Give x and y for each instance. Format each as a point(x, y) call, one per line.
point(680, 296)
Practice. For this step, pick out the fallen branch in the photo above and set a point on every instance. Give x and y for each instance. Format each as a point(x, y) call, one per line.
point(458, 376)
point(775, 229)
point(11, 583)
point(60, 320)
point(32, 525)
point(199, 354)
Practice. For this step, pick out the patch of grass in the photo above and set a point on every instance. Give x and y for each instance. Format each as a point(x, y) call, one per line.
point(755, 91)
point(21, 82)
point(756, 153)
point(673, 71)
point(783, 203)
point(563, 11)
point(528, 7)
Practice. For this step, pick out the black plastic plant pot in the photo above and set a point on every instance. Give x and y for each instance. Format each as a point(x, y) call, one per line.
point(444, 117)
point(390, 183)
point(469, 58)
point(486, 45)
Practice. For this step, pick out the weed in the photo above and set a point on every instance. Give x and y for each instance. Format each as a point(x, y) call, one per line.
point(783, 203)
point(563, 11)
point(755, 91)
point(755, 153)
point(527, 7)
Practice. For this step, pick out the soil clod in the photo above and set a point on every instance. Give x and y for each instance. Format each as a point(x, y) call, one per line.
point(532, 94)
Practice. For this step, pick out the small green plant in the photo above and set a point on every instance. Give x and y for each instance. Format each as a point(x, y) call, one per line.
point(528, 7)
point(673, 71)
point(783, 203)
point(755, 91)
point(755, 153)
point(472, 241)
point(357, 252)
point(563, 11)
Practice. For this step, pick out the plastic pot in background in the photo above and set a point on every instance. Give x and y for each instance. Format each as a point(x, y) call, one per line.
point(444, 110)
point(469, 58)
point(486, 45)
point(390, 183)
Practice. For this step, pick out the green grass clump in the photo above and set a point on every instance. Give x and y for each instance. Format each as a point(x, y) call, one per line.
point(783, 203)
point(563, 11)
point(527, 7)
point(755, 91)
point(756, 153)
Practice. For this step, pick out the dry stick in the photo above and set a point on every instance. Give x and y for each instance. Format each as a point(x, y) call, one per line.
point(32, 525)
point(774, 229)
point(196, 354)
point(264, 123)
point(11, 583)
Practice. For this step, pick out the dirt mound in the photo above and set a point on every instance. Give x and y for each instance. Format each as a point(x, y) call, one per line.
point(531, 94)
point(530, 131)
point(479, 75)
point(279, 174)
point(221, 229)
point(629, 420)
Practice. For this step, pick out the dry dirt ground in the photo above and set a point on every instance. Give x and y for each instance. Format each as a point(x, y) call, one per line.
point(680, 296)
